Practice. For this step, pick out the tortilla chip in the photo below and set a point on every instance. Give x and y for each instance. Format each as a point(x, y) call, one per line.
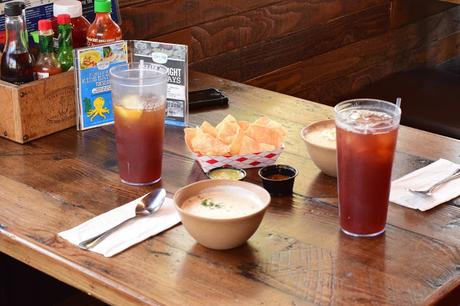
point(206, 144)
point(266, 147)
point(227, 129)
point(208, 128)
point(267, 131)
point(228, 118)
point(248, 145)
point(243, 125)
point(235, 146)
point(263, 134)
point(190, 133)
point(265, 121)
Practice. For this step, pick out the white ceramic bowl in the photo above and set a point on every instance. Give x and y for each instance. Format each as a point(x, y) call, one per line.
point(323, 155)
point(221, 234)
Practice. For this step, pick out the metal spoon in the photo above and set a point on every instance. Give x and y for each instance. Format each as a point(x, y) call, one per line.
point(149, 204)
point(428, 191)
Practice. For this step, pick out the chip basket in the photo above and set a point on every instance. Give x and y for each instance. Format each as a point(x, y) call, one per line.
point(254, 160)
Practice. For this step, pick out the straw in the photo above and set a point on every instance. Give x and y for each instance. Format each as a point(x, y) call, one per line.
point(141, 67)
point(141, 76)
point(398, 102)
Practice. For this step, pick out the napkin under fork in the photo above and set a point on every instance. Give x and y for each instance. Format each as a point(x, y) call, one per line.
point(423, 178)
point(133, 232)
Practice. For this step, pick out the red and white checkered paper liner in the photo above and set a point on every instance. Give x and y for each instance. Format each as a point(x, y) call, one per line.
point(245, 161)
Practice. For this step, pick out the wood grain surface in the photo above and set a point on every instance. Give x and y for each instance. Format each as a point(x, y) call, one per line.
point(297, 257)
point(274, 44)
point(326, 78)
point(37, 108)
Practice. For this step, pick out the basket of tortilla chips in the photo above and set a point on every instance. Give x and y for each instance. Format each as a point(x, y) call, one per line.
point(233, 143)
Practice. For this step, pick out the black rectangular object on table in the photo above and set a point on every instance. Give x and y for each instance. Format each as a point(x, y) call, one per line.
point(205, 98)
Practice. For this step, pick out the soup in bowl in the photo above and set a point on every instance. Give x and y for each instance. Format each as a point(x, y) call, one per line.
point(320, 139)
point(221, 214)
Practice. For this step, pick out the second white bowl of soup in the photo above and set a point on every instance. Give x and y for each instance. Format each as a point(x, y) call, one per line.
point(221, 214)
point(320, 139)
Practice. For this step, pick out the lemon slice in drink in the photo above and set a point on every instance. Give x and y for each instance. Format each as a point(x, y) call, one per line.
point(130, 108)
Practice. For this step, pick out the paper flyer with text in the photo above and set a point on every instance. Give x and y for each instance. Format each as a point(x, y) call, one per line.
point(175, 58)
point(94, 96)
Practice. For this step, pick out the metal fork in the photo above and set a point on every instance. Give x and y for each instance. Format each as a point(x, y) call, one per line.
point(429, 190)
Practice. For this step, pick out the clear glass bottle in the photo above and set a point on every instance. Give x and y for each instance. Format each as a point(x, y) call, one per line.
point(65, 52)
point(17, 62)
point(47, 63)
point(103, 29)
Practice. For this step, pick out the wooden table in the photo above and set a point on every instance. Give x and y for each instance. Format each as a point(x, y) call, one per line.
point(298, 255)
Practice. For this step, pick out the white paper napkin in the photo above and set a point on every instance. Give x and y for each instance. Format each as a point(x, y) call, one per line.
point(134, 231)
point(422, 179)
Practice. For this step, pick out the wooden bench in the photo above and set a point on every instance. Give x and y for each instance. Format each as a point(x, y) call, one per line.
point(430, 99)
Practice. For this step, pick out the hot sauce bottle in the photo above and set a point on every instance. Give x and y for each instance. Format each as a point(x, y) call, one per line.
point(103, 29)
point(17, 62)
point(65, 53)
point(79, 23)
point(47, 63)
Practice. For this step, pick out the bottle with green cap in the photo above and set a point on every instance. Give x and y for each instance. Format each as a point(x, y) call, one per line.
point(65, 53)
point(103, 29)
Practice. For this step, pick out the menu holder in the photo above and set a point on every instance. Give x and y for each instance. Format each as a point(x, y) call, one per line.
point(93, 91)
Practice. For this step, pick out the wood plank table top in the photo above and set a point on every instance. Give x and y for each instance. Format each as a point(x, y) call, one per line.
point(298, 255)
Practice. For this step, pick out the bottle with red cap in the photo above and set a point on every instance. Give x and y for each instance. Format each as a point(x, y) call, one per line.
point(47, 63)
point(65, 52)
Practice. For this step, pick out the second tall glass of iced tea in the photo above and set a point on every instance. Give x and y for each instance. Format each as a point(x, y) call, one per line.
point(139, 99)
point(367, 130)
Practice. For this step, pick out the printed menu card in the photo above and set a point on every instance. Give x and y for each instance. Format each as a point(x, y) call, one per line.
point(174, 57)
point(93, 92)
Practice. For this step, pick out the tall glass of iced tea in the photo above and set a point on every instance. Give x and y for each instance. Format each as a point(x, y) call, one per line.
point(139, 99)
point(366, 139)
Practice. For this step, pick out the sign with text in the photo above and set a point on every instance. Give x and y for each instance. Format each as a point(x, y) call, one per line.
point(94, 96)
point(93, 91)
point(175, 58)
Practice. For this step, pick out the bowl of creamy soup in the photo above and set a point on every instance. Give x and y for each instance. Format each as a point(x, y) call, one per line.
point(221, 214)
point(320, 139)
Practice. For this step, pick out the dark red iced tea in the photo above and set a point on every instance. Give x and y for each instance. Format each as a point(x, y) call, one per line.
point(139, 135)
point(364, 160)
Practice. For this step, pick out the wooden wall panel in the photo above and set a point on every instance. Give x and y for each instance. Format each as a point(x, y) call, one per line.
point(150, 18)
point(228, 31)
point(315, 49)
point(335, 89)
point(266, 56)
point(398, 46)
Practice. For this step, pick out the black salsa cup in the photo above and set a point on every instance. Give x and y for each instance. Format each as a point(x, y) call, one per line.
point(278, 186)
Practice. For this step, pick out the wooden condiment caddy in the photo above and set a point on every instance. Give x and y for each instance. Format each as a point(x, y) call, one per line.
point(38, 108)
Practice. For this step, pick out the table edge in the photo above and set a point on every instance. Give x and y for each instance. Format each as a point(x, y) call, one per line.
point(48, 262)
